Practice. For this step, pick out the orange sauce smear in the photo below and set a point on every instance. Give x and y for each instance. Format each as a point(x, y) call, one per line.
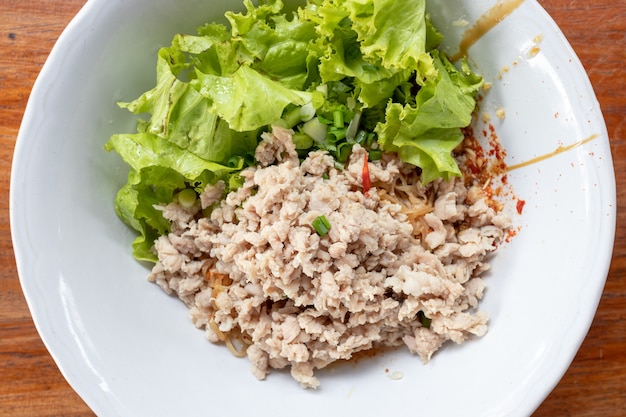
point(484, 24)
point(549, 155)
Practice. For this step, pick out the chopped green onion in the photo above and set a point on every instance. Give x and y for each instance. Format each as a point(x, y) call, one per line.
point(307, 112)
point(315, 129)
point(375, 154)
point(295, 115)
point(353, 127)
point(324, 120)
point(425, 321)
point(343, 152)
point(336, 134)
point(338, 119)
point(321, 225)
point(302, 141)
point(187, 197)
point(360, 137)
point(292, 118)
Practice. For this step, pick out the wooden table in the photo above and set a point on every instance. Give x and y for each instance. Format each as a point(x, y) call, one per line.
point(30, 382)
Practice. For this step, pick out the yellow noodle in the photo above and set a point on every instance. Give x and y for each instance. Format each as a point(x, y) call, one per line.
point(226, 339)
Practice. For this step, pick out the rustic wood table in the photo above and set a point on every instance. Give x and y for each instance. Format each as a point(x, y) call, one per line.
point(30, 382)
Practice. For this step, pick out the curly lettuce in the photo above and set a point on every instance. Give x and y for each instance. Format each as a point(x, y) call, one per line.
point(337, 72)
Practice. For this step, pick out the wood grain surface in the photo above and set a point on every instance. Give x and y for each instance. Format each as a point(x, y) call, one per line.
point(32, 385)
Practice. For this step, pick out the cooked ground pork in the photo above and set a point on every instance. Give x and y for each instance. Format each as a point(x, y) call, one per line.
point(401, 263)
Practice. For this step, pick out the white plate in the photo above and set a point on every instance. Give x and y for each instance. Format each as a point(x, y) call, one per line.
point(130, 350)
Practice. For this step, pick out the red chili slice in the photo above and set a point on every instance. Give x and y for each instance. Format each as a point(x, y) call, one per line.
point(365, 175)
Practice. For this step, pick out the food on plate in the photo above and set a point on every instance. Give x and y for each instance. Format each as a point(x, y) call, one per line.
point(306, 183)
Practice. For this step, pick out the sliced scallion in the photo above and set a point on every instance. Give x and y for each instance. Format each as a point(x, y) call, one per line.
point(315, 129)
point(321, 225)
point(187, 197)
point(360, 137)
point(425, 321)
point(375, 154)
point(353, 127)
point(307, 112)
point(292, 117)
point(302, 141)
point(338, 121)
point(336, 134)
point(343, 152)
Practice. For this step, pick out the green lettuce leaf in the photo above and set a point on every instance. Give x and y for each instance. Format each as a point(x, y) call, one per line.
point(432, 152)
point(392, 32)
point(425, 132)
point(232, 99)
point(334, 60)
point(279, 47)
point(180, 114)
point(158, 169)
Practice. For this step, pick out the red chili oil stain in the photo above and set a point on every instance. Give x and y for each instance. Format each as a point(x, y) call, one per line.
point(488, 167)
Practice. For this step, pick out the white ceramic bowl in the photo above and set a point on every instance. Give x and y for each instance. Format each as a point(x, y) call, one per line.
point(130, 350)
